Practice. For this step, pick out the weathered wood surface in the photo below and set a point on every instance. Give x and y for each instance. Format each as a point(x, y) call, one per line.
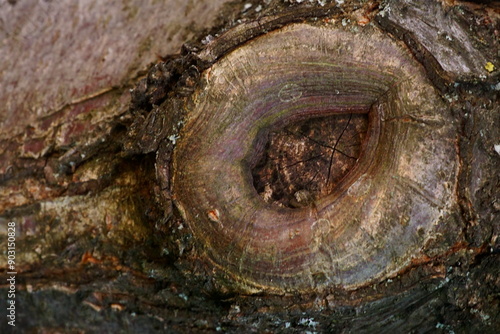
point(97, 249)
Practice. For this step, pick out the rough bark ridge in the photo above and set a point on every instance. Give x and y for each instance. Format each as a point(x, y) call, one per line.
point(100, 247)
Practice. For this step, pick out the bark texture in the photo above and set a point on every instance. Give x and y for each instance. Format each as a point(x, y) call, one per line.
point(92, 96)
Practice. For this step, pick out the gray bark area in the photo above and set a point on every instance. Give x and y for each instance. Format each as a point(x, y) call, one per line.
point(96, 249)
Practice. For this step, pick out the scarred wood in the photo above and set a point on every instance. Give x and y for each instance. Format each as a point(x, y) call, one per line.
point(367, 227)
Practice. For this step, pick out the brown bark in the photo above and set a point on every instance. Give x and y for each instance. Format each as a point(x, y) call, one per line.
point(86, 169)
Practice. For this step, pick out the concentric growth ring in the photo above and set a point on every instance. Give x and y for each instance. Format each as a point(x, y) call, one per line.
point(381, 214)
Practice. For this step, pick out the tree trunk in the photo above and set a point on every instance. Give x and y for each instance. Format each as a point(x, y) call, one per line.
point(265, 166)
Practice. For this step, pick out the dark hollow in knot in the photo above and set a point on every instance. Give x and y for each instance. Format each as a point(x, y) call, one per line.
point(305, 161)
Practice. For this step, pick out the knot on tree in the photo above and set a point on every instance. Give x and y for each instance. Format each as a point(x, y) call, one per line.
point(311, 157)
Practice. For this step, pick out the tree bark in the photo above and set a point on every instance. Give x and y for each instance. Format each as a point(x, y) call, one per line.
point(97, 128)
